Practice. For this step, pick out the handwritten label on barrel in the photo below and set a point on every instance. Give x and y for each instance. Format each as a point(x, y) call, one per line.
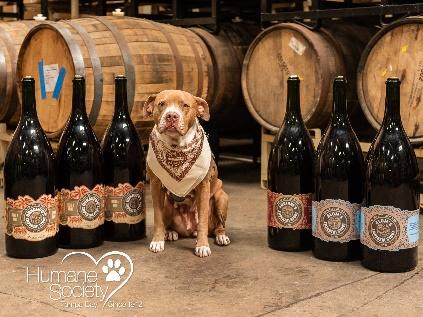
point(51, 72)
point(296, 46)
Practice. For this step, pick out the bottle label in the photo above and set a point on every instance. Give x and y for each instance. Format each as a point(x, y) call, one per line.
point(81, 207)
point(289, 211)
point(336, 220)
point(31, 220)
point(388, 228)
point(125, 203)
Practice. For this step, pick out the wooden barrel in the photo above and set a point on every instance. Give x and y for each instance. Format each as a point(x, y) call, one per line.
point(316, 56)
point(12, 35)
point(153, 56)
point(395, 51)
point(227, 50)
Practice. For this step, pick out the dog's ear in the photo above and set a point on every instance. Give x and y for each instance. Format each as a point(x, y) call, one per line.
point(202, 109)
point(149, 106)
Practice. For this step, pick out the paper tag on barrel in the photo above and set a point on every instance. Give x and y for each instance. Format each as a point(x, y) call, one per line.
point(125, 203)
point(81, 207)
point(388, 228)
point(336, 220)
point(289, 211)
point(31, 220)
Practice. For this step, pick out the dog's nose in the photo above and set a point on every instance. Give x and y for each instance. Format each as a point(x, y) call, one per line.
point(172, 117)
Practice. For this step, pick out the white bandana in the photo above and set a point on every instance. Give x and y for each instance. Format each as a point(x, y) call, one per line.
point(179, 168)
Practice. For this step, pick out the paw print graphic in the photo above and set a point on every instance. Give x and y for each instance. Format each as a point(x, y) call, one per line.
point(114, 270)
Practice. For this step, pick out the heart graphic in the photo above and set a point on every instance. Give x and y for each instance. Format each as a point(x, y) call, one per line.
point(98, 261)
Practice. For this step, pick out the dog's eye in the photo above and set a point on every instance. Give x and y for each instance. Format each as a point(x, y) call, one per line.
point(186, 106)
point(161, 103)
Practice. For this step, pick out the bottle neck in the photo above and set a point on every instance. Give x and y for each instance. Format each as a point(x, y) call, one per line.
point(339, 109)
point(392, 103)
point(121, 99)
point(78, 99)
point(293, 101)
point(28, 100)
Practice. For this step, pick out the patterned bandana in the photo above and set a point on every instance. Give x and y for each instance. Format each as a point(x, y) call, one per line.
point(179, 168)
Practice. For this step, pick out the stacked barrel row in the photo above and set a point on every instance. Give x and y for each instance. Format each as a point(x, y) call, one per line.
point(153, 56)
point(156, 56)
point(364, 56)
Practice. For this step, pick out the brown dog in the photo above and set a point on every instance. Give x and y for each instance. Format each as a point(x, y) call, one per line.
point(188, 198)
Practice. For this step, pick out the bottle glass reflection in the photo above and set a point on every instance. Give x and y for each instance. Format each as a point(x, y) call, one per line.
point(79, 178)
point(124, 173)
point(29, 189)
point(290, 177)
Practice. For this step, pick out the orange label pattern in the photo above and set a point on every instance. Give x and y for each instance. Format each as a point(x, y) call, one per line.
point(125, 203)
point(81, 207)
point(32, 220)
point(289, 211)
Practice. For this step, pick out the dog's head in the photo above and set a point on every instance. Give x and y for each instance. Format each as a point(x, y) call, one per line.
point(175, 111)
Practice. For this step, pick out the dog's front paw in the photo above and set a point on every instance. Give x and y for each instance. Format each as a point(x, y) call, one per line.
point(171, 235)
point(203, 251)
point(157, 246)
point(222, 239)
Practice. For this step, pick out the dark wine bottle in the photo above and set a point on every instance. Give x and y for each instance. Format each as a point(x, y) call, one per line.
point(340, 182)
point(390, 222)
point(79, 178)
point(31, 208)
point(290, 179)
point(124, 173)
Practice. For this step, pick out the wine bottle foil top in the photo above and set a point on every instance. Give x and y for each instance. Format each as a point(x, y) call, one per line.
point(293, 77)
point(393, 80)
point(28, 79)
point(340, 79)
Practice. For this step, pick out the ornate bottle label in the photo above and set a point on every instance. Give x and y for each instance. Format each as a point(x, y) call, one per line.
point(336, 220)
point(289, 211)
point(125, 203)
point(388, 228)
point(81, 207)
point(32, 220)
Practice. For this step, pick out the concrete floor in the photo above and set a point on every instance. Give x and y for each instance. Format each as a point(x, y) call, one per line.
point(243, 279)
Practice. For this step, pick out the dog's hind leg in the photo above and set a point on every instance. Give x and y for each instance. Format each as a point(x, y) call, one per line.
point(171, 235)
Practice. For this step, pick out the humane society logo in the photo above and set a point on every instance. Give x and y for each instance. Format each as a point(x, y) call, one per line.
point(88, 289)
